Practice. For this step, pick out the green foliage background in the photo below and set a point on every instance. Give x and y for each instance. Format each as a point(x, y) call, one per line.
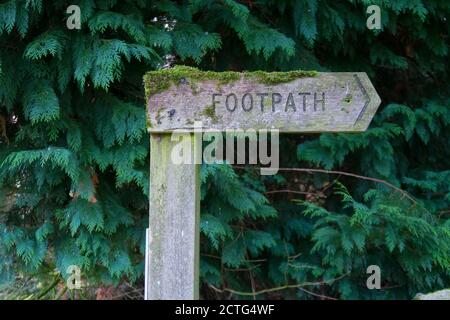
point(74, 150)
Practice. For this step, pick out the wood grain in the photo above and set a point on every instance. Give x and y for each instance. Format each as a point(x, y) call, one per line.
point(327, 102)
point(173, 237)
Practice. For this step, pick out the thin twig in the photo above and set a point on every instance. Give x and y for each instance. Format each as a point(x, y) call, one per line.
point(292, 191)
point(295, 256)
point(290, 286)
point(317, 295)
point(220, 258)
point(243, 269)
point(348, 174)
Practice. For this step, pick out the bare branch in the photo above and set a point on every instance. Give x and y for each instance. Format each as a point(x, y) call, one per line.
point(288, 286)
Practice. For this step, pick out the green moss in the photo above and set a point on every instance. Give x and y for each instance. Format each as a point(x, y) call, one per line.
point(160, 80)
point(348, 98)
point(279, 77)
point(210, 112)
point(195, 89)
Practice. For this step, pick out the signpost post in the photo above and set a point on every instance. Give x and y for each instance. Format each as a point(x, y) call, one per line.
point(178, 98)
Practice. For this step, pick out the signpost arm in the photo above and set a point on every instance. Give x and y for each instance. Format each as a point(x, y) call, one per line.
point(173, 234)
point(180, 97)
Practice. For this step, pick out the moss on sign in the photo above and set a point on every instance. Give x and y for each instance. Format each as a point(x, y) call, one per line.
point(160, 80)
point(210, 112)
point(278, 77)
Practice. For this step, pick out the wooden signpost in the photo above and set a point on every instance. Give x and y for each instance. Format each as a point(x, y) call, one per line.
point(181, 97)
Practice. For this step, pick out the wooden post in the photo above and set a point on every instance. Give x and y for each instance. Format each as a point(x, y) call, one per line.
point(173, 235)
point(178, 98)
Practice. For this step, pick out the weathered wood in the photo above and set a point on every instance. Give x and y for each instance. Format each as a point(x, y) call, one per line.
point(322, 102)
point(177, 98)
point(173, 238)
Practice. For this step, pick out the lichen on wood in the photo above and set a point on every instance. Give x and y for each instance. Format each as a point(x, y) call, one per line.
point(160, 80)
point(210, 111)
point(278, 77)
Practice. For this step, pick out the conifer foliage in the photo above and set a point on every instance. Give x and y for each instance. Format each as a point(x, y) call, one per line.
point(74, 149)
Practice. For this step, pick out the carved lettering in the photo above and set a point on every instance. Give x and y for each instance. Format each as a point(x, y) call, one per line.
point(235, 102)
point(306, 101)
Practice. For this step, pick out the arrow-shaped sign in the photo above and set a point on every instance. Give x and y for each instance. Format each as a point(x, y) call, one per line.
point(186, 98)
point(293, 101)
